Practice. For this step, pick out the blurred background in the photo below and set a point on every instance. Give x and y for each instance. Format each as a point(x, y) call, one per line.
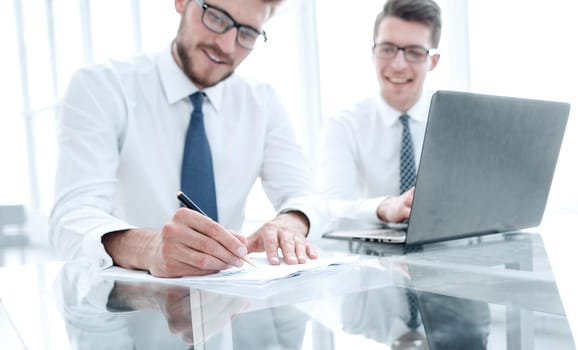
point(318, 57)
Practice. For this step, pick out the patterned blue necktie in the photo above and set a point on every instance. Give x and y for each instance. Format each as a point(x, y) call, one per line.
point(414, 316)
point(407, 158)
point(197, 178)
point(407, 181)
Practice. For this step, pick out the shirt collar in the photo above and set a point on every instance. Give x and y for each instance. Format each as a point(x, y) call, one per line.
point(177, 85)
point(418, 111)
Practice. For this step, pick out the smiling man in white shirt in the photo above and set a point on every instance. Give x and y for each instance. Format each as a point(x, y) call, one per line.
point(121, 138)
point(362, 146)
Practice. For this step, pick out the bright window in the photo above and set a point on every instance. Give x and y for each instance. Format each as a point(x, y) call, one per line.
point(318, 58)
point(529, 50)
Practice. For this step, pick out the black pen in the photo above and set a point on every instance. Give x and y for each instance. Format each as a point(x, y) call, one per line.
point(191, 205)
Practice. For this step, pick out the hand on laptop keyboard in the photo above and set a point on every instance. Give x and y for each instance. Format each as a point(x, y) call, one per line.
point(396, 209)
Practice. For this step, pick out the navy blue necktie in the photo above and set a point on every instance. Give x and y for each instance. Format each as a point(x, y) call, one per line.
point(197, 178)
point(407, 158)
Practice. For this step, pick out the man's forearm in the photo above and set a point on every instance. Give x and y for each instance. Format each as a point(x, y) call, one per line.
point(132, 249)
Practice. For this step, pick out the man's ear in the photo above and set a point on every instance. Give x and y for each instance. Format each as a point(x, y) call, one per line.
point(180, 6)
point(434, 61)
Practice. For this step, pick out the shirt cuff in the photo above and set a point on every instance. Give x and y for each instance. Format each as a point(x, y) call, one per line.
point(350, 214)
point(94, 249)
point(315, 209)
point(367, 211)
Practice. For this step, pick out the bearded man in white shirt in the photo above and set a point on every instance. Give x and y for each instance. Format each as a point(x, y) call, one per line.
point(121, 137)
point(361, 146)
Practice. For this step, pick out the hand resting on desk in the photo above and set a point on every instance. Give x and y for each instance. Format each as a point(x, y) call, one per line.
point(192, 244)
point(287, 231)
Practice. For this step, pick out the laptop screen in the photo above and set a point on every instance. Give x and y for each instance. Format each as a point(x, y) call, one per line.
point(486, 166)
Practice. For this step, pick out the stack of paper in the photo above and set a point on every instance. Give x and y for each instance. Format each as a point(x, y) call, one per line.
point(263, 273)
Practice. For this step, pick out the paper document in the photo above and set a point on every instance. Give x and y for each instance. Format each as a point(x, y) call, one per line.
point(262, 274)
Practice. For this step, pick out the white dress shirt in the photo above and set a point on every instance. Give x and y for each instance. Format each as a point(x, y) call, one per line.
point(360, 157)
point(122, 129)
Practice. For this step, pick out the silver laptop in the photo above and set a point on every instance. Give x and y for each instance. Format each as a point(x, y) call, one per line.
point(486, 166)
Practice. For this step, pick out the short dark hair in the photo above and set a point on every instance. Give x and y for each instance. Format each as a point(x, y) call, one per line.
point(426, 12)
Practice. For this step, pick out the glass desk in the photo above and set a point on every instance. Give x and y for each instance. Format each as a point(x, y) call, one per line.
point(494, 292)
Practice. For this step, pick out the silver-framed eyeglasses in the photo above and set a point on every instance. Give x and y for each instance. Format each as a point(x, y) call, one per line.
point(412, 53)
point(219, 21)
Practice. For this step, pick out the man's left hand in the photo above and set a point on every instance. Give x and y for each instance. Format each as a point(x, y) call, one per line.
point(287, 231)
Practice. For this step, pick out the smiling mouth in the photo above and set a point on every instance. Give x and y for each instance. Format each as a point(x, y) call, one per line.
point(398, 81)
point(214, 56)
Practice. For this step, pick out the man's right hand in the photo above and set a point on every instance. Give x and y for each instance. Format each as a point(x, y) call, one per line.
point(189, 244)
point(396, 209)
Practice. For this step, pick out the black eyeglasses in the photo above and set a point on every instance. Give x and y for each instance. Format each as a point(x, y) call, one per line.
point(219, 21)
point(412, 53)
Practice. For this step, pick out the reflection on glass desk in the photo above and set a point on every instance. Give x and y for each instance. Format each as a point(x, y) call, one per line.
point(495, 292)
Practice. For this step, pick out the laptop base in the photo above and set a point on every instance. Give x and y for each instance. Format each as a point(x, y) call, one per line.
point(379, 235)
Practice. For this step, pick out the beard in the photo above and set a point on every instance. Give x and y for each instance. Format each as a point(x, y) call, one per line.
point(188, 67)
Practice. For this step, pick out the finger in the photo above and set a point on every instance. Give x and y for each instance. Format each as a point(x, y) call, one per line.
point(270, 241)
point(206, 261)
point(301, 249)
point(405, 211)
point(210, 254)
point(408, 196)
point(409, 202)
point(171, 260)
point(239, 236)
point(211, 229)
point(254, 242)
point(311, 251)
point(173, 268)
point(287, 244)
point(177, 237)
